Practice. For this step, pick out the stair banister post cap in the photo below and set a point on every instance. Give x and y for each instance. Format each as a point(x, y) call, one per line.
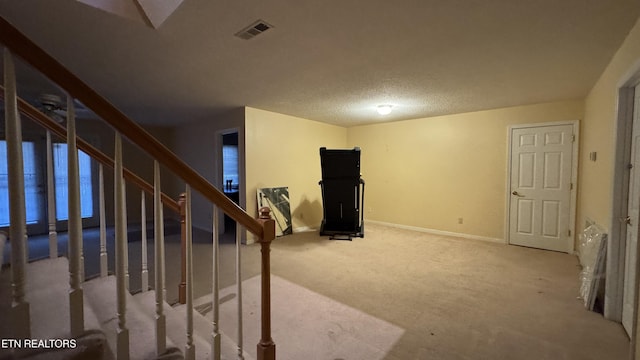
point(265, 213)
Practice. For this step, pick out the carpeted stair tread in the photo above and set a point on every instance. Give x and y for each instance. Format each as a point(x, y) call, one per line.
point(101, 295)
point(47, 291)
point(176, 324)
point(43, 273)
point(202, 327)
point(89, 345)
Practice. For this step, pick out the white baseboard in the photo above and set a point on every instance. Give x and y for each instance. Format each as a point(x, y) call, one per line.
point(304, 229)
point(437, 232)
point(251, 239)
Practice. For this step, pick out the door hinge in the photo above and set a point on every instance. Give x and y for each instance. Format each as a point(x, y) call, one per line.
point(569, 231)
point(571, 186)
point(573, 138)
point(629, 166)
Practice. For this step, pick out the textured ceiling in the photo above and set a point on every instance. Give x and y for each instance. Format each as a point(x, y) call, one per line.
point(331, 61)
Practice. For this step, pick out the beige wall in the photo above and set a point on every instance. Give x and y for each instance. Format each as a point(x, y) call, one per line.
point(283, 150)
point(197, 144)
point(429, 172)
point(595, 184)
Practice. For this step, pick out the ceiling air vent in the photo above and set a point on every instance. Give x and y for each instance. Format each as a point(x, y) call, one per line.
point(253, 30)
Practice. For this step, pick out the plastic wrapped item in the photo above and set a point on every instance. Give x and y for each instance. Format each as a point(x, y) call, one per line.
point(592, 252)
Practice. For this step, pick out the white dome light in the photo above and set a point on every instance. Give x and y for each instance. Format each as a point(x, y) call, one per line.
point(384, 109)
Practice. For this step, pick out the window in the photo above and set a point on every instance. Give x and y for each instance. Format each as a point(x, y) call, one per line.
point(31, 184)
point(230, 164)
point(61, 182)
point(36, 190)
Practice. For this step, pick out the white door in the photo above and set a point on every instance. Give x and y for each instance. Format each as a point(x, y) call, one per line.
point(540, 194)
point(632, 219)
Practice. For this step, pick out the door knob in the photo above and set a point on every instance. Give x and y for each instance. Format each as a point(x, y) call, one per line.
point(516, 194)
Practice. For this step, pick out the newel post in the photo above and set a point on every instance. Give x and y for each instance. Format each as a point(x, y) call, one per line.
point(182, 288)
point(266, 348)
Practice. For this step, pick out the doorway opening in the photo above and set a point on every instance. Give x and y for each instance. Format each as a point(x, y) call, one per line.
point(230, 174)
point(621, 288)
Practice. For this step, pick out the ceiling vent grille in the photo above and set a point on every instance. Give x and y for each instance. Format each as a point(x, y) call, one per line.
point(253, 30)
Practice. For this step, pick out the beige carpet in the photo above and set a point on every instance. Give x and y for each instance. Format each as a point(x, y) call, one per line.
point(452, 298)
point(323, 328)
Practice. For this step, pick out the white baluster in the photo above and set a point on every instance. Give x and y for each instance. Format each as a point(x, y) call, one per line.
point(215, 297)
point(189, 348)
point(126, 236)
point(103, 226)
point(158, 228)
point(75, 226)
point(20, 319)
point(122, 341)
point(51, 201)
point(239, 288)
point(145, 269)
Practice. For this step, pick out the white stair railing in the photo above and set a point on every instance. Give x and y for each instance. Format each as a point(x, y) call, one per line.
point(76, 261)
point(126, 234)
point(20, 312)
point(215, 286)
point(189, 349)
point(264, 227)
point(76, 265)
point(144, 276)
point(239, 290)
point(51, 201)
point(158, 228)
point(122, 339)
point(103, 224)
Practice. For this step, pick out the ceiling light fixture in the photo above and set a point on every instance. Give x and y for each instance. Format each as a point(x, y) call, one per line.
point(384, 109)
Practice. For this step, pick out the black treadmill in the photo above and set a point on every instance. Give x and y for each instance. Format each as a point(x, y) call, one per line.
point(342, 193)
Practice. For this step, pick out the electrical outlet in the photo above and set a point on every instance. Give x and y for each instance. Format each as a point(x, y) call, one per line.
point(460, 221)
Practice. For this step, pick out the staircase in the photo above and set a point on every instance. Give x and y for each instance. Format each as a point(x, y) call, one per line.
point(202, 330)
point(48, 308)
point(50, 305)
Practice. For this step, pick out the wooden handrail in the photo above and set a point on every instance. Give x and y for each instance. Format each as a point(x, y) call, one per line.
point(29, 52)
point(43, 120)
